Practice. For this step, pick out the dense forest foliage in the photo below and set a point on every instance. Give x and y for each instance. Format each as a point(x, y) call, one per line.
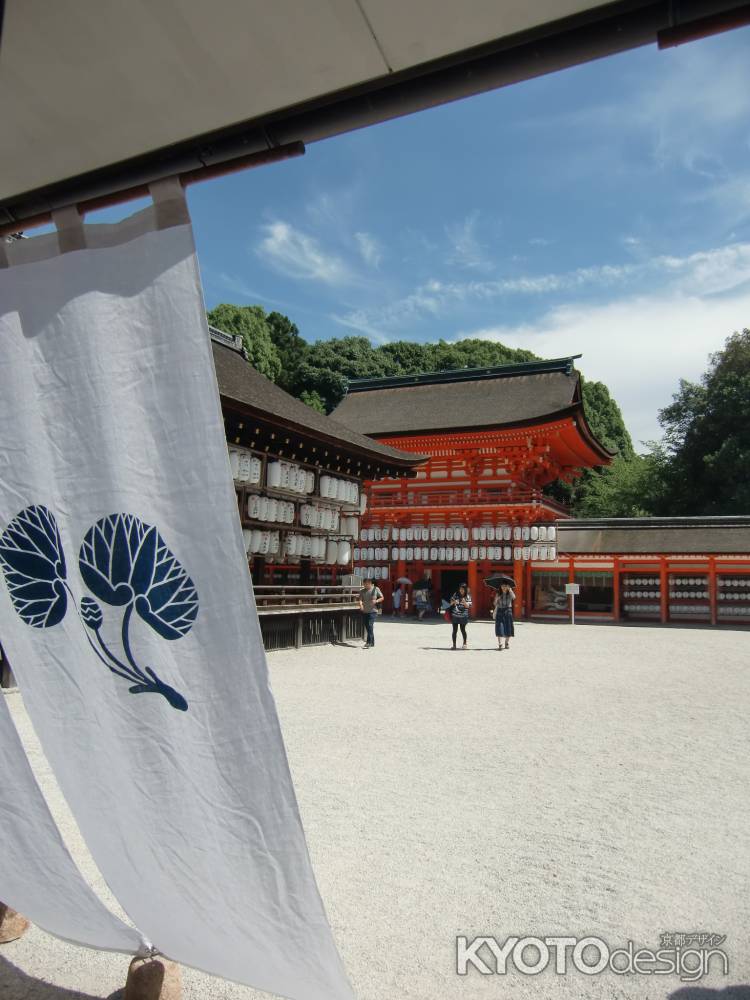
point(699, 467)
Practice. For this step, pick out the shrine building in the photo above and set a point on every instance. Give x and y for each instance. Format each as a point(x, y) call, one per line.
point(494, 437)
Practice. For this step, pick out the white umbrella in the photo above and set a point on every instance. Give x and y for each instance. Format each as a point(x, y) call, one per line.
point(403, 579)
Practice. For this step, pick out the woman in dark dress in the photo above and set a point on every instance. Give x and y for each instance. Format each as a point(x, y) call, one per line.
point(504, 615)
point(460, 604)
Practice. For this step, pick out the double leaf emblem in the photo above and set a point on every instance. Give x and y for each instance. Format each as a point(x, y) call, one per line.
point(124, 562)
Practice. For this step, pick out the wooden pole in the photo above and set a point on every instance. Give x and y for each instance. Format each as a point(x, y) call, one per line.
point(664, 590)
point(153, 979)
point(12, 924)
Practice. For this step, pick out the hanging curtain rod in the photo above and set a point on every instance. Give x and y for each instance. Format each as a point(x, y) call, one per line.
point(205, 173)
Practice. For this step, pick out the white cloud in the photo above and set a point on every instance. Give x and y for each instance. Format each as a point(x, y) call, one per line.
point(706, 272)
point(297, 255)
point(639, 346)
point(370, 249)
point(466, 250)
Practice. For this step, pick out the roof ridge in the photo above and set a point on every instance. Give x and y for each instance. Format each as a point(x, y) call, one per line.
point(564, 365)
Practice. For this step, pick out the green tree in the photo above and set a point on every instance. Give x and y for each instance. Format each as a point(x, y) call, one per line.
point(630, 487)
point(707, 436)
point(604, 418)
point(250, 322)
point(313, 400)
point(291, 348)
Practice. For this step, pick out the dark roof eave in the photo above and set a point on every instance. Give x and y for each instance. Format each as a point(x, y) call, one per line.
point(564, 365)
point(575, 410)
point(401, 459)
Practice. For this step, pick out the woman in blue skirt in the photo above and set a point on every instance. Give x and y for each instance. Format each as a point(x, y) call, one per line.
point(504, 615)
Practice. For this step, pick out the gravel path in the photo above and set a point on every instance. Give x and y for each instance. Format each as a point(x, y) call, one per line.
point(591, 780)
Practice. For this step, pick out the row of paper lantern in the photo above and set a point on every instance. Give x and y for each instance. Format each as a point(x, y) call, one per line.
point(497, 553)
point(734, 583)
point(642, 608)
point(288, 476)
point(688, 609)
point(642, 581)
point(327, 518)
point(246, 468)
point(373, 572)
point(328, 550)
point(261, 542)
point(260, 508)
point(333, 488)
point(688, 593)
point(733, 597)
point(688, 581)
point(641, 593)
point(460, 533)
point(743, 612)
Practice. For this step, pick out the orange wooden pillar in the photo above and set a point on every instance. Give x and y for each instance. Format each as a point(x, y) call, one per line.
point(664, 590)
point(616, 589)
point(474, 585)
point(518, 577)
point(712, 598)
point(528, 590)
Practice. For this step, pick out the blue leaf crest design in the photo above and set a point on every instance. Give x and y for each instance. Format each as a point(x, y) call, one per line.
point(125, 561)
point(33, 562)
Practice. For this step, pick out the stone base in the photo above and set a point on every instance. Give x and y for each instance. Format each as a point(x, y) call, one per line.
point(12, 924)
point(153, 979)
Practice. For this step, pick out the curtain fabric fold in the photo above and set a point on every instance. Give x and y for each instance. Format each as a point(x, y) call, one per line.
point(127, 611)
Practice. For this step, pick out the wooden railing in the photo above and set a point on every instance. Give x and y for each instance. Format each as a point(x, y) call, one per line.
point(276, 598)
point(418, 498)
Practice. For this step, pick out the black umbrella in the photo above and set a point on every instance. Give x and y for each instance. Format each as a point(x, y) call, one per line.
point(496, 581)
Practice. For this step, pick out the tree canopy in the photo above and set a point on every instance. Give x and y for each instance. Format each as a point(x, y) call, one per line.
point(700, 467)
point(707, 436)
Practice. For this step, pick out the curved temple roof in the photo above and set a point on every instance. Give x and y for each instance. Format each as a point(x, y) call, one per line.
point(534, 392)
point(240, 383)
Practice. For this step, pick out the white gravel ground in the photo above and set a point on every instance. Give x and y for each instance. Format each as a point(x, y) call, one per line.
point(592, 780)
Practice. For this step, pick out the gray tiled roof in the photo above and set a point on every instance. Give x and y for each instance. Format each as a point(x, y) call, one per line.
point(477, 402)
point(240, 382)
point(644, 535)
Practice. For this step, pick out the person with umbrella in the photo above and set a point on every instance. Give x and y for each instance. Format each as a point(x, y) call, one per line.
point(503, 609)
point(459, 610)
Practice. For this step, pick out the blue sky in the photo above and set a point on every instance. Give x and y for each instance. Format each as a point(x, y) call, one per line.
point(603, 210)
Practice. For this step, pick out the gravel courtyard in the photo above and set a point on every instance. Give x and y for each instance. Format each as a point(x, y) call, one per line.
point(592, 780)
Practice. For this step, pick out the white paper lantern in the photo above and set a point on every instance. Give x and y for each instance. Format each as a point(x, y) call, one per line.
point(517, 533)
point(344, 553)
point(464, 555)
point(247, 537)
point(534, 533)
point(273, 475)
point(507, 553)
point(517, 552)
point(433, 554)
point(234, 463)
point(474, 552)
point(441, 554)
point(507, 533)
point(490, 532)
point(442, 533)
point(482, 552)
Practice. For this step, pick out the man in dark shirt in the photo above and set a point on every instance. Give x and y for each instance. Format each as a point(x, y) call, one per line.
point(369, 598)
